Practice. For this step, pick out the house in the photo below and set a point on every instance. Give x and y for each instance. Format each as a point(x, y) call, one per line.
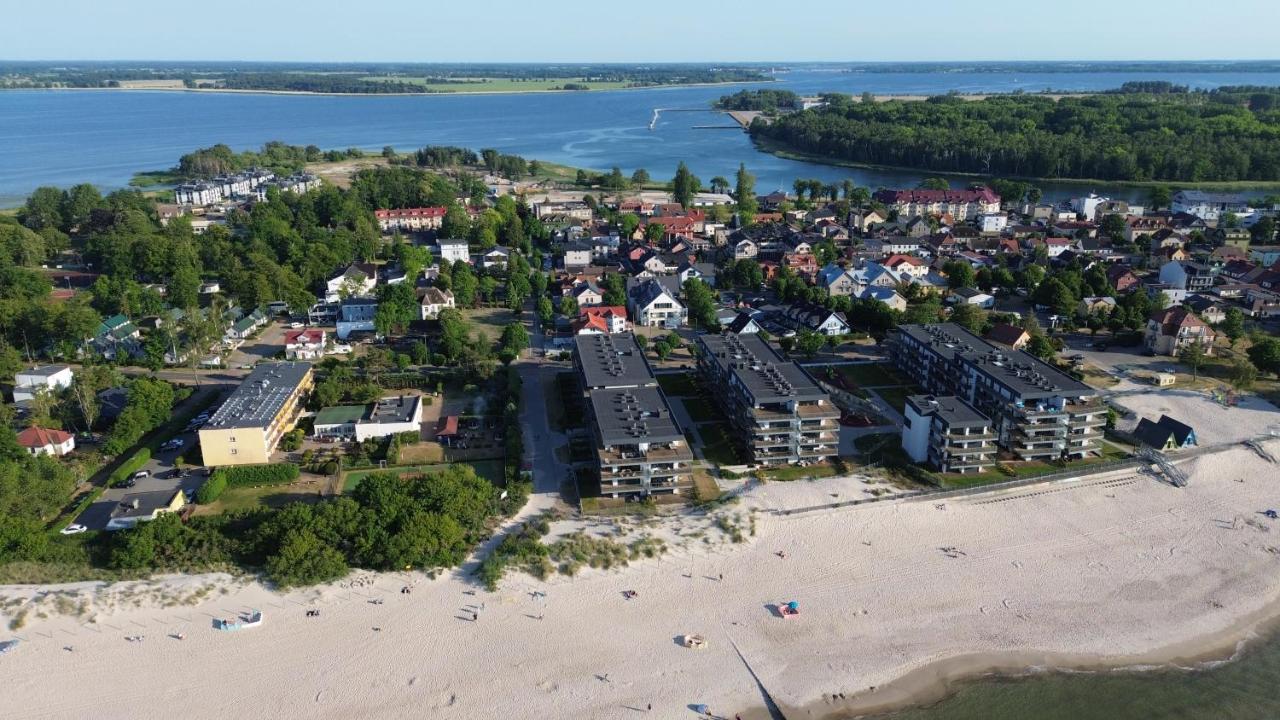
point(1171, 330)
point(1140, 226)
point(653, 305)
point(892, 245)
point(863, 222)
point(1209, 206)
point(972, 296)
point(356, 315)
point(355, 280)
point(601, 319)
point(433, 301)
point(578, 254)
point(993, 223)
point(706, 272)
point(495, 257)
point(1096, 304)
point(745, 249)
point(453, 250)
point(1265, 255)
point(1164, 434)
point(144, 507)
point(908, 265)
point(1192, 277)
point(41, 441)
point(888, 296)
point(388, 416)
point(1010, 336)
point(1209, 310)
point(587, 293)
point(744, 324)
point(304, 344)
point(410, 219)
point(247, 325)
point(1122, 279)
point(837, 281)
point(815, 318)
point(41, 378)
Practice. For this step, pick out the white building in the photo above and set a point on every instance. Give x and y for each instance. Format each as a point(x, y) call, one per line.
point(411, 219)
point(356, 315)
point(993, 222)
point(388, 416)
point(452, 250)
point(47, 378)
point(1209, 206)
point(356, 280)
point(652, 305)
point(1087, 206)
point(41, 441)
point(197, 193)
point(304, 344)
point(434, 301)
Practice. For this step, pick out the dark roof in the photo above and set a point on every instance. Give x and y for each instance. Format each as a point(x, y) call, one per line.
point(262, 394)
point(741, 322)
point(953, 411)
point(627, 416)
point(1005, 334)
point(759, 369)
point(1156, 434)
point(1027, 376)
point(611, 361)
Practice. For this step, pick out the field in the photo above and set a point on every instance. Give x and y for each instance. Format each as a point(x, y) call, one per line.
point(488, 469)
point(494, 85)
point(249, 498)
point(488, 320)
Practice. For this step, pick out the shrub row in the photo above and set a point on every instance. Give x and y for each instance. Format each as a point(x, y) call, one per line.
point(212, 489)
point(129, 467)
point(251, 475)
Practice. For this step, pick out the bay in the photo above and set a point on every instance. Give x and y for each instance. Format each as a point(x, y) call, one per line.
point(63, 137)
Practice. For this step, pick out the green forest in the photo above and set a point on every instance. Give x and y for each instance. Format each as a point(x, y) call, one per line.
point(1231, 134)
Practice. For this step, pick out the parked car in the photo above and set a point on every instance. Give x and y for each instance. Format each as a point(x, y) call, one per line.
point(296, 325)
point(140, 475)
point(73, 529)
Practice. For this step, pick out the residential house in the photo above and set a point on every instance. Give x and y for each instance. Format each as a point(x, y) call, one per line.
point(1122, 279)
point(1165, 434)
point(706, 272)
point(907, 265)
point(837, 281)
point(744, 324)
point(816, 318)
point(356, 315)
point(587, 293)
point(411, 219)
point(1209, 206)
point(653, 305)
point(1209, 310)
point(452, 250)
point(864, 222)
point(1096, 304)
point(577, 254)
point(1189, 276)
point(888, 296)
point(1265, 255)
point(305, 344)
point(495, 257)
point(140, 507)
point(992, 223)
point(892, 245)
point(972, 296)
point(1010, 336)
point(42, 441)
point(1171, 330)
point(963, 205)
point(1137, 227)
point(433, 301)
point(247, 325)
point(41, 379)
point(607, 319)
point(355, 280)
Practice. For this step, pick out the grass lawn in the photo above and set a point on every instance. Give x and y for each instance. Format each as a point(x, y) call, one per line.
point(489, 320)
point(705, 486)
point(701, 411)
point(1110, 453)
point(897, 396)
point(795, 472)
point(248, 498)
point(489, 469)
point(677, 384)
point(716, 447)
point(422, 453)
point(871, 374)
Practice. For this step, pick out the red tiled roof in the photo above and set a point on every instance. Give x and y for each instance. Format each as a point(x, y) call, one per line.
point(38, 437)
point(603, 311)
point(298, 337)
point(425, 212)
point(448, 425)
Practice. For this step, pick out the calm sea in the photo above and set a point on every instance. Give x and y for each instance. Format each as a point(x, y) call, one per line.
point(1246, 689)
point(103, 137)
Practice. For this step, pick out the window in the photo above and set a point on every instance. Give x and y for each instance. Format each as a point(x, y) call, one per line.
point(233, 438)
point(233, 451)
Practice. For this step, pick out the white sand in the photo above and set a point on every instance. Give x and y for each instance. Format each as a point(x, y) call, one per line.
point(1213, 422)
point(1118, 570)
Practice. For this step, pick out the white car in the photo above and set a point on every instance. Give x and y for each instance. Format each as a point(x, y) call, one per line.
point(340, 350)
point(296, 325)
point(141, 474)
point(73, 529)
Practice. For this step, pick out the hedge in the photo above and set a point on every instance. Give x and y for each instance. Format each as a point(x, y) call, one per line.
point(252, 475)
point(211, 489)
point(129, 467)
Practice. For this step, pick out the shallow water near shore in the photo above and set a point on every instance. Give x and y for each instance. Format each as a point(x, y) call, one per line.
point(1247, 688)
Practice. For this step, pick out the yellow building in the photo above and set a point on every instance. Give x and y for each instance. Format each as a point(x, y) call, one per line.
point(246, 429)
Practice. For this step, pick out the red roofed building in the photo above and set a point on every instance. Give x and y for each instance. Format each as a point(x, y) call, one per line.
point(427, 218)
point(304, 344)
point(674, 227)
point(601, 320)
point(907, 264)
point(41, 441)
point(447, 429)
point(1171, 330)
point(960, 204)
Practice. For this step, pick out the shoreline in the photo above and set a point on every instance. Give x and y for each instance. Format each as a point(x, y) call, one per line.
point(308, 93)
point(786, 153)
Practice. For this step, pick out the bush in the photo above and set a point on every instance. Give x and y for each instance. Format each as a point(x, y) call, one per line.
point(252, 475)
point(128, 467)
point(212, 489)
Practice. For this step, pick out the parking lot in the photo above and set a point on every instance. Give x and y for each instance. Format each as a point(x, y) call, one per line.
point(162, 477)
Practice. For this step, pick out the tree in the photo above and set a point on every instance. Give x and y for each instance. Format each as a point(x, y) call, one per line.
point(684, 185)
point(464, 284)
point(744, 195)
point(1041, 347)
point(515, 339)
point(1193, 354)
point(640, 177)
point(1265, 354)
point(719, 184)
point(934, 183)
point(1055, 295)
point(302, 559)
point(959, 274)
point(1161, 197)
point(1243, 373)
point(545, 311)
point(701, 303)
point(397, 307)
point(1233, 325)
point(970, 317)
point(809, 343)
point(85, 386)
point(654, 232)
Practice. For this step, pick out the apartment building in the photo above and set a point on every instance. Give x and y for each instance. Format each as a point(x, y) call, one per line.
point(640, 448)
point(962, 205)
point(947, 433)
point(247, 427)
point(410, 219)
point(778, 413)
point(1037, 412)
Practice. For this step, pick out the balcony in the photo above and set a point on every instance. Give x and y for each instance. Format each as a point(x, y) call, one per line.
point(611, 456)
point(818, 411)
point(969, 451)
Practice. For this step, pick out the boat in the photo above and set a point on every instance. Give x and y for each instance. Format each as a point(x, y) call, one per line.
point(253, 619)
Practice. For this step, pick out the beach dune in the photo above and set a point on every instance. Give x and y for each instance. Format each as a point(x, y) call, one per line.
point(900, 596)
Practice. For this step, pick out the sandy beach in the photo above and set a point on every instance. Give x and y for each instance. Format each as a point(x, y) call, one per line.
point(1107, 570)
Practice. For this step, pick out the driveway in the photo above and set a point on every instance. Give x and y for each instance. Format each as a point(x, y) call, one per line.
point(540, 440)
point(264, 347)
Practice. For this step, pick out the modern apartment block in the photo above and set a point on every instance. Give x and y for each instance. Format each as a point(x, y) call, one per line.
point(1037, 412)
point(778, 413)
point(948, 433)
point(640, 448)
point(248, 426)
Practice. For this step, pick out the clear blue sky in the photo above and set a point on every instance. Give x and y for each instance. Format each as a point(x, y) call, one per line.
point(645, 31)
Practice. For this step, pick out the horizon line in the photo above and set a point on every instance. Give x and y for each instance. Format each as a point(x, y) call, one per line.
point(643, 62)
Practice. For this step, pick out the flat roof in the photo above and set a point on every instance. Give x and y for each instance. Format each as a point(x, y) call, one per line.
point(953, 411)
point(147, 503)
point(1019, 371)
point(627, 416)
point(340, 414)
point(760, 369)
point(44, 370)
point(398, 409)
point(260, 397)
point(612, 361)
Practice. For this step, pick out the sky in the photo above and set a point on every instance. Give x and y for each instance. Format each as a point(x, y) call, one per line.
point(646, 31)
